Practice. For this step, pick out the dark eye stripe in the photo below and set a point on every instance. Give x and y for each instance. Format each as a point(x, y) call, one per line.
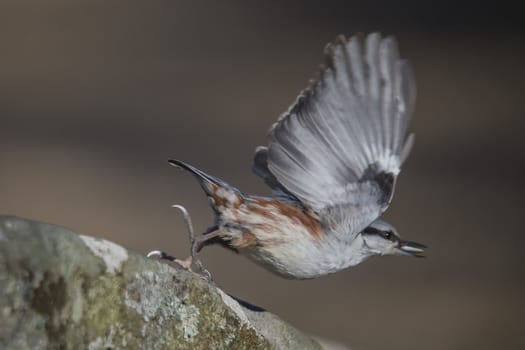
point(385, 234)
point(371, 231)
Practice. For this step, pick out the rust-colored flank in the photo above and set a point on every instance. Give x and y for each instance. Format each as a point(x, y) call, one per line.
point(306, 217)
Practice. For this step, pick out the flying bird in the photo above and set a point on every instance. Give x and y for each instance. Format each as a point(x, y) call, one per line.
point(332, 161)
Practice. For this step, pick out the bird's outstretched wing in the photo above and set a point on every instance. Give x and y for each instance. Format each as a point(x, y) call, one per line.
point(340, 146)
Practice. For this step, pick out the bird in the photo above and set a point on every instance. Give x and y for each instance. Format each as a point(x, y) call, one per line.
point(332, 161)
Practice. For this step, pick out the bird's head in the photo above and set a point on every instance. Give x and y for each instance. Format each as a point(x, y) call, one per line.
point(381, 238)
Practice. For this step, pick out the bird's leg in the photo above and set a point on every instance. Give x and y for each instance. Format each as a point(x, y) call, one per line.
point(191, 263)
point(196, 245)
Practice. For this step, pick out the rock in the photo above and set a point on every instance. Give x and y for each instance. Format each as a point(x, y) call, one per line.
point(59, 290)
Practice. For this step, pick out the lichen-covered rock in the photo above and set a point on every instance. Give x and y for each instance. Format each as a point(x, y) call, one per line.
point(59, 290)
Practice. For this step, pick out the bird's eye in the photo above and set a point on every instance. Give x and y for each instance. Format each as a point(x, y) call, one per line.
point(386, 234)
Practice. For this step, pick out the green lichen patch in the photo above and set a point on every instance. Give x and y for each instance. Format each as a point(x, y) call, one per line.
point(103, 304)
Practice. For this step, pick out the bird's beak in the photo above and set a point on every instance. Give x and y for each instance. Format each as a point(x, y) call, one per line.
point(412, 249)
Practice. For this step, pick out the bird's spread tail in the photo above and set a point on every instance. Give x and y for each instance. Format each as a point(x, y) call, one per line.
point(219, 191)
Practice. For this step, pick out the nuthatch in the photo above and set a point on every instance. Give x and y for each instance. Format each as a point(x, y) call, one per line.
point(332, 161)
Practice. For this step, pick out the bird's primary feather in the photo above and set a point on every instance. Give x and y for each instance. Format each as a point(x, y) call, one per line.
point(340, 146)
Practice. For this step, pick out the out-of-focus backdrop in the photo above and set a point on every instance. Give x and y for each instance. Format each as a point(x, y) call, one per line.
point(95, 96)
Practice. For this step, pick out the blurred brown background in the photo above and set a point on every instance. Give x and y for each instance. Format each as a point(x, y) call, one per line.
point(95, 96)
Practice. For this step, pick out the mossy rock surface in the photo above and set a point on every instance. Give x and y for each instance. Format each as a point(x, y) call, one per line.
point(60, 290)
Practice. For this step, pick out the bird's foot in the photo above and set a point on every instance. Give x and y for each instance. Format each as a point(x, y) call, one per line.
point(191, 263)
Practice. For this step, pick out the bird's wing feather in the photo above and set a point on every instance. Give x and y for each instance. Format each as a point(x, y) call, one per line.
point(340, 146)
point(260, 168)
